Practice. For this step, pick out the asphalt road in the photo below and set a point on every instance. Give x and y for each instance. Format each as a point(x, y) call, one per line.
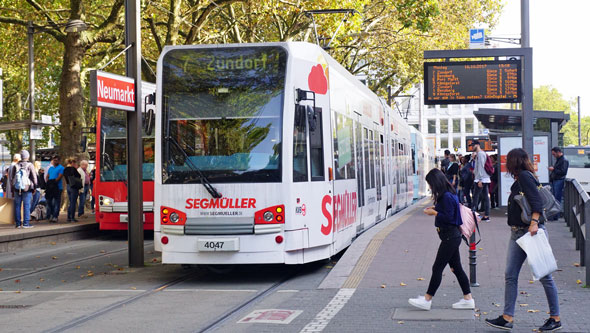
point(85, 286)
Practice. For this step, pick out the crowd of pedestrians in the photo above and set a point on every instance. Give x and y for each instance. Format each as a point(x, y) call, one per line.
point(37, 191)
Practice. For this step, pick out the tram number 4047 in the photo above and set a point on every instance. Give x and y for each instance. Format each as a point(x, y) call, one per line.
point(214, 245)
point(231, 244)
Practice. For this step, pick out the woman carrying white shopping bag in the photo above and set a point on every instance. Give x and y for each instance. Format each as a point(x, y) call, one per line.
point(521, 169)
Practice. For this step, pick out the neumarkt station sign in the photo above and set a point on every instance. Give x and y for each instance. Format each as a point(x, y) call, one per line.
point(112, 91)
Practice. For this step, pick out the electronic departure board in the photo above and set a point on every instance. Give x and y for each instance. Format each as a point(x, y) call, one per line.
point(472, 82)
point(484, 143)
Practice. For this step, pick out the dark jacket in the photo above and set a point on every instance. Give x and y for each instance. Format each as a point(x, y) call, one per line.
point(467, 176)
point(452, 170)
point(444, 164)
point(559, 169)
point(449, 214)
point(528, 184)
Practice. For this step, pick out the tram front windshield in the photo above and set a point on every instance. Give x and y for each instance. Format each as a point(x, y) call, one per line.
point(222, 110)
point(113, 146)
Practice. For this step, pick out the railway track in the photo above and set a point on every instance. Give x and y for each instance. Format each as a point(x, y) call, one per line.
point(70, 262)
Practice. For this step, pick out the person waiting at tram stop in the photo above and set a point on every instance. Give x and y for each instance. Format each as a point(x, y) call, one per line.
point(453, 171)
point(481, 181)
point(23, 182)
point(447, 221)
point(85, 176)
point(54, 188)
point(444, 164)
point(557, 175)
point(521, 169)
point(74, 184)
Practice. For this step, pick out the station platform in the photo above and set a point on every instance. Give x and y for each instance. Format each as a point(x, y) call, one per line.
point(45, 232)
point(392, 262)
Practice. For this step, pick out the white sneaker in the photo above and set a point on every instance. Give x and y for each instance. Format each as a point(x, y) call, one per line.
point(464, 304)
point(420, 303)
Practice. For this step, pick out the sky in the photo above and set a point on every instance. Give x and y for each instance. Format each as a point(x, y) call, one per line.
point(559, 36)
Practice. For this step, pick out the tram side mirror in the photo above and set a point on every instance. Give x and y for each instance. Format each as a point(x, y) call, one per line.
point(149, 118)
point(311, 118)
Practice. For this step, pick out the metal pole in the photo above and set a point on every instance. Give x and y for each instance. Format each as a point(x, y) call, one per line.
point(527, 100)
point(473, 261)
point(579, 123)
point(30, 33)
point(134, 132)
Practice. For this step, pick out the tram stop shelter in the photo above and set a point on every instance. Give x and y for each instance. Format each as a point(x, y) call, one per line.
point(505, 129)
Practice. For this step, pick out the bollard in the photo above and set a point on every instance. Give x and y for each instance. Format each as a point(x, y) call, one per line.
point(473, 261)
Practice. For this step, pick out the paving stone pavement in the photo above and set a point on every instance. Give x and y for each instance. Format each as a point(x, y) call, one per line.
point(402, 268)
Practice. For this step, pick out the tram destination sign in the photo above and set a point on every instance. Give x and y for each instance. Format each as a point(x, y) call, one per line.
point(472, 82)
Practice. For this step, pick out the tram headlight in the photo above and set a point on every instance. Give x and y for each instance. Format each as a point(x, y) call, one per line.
point(174, 217)
point(106, 201)
point(268, 216)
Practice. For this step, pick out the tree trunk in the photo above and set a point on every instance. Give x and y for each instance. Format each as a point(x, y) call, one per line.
point(71, 99)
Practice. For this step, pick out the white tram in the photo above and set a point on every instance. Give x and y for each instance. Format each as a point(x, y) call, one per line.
point(270, 153)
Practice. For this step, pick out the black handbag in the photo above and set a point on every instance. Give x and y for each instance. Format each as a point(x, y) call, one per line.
point(551, 206)
point(75, 182)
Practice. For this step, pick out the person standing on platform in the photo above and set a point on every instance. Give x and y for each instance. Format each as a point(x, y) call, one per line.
point(74, 185)
point(481, 182)
point(558, 174)
point(444, 164)
point(24, 182)
point(466, 174)
point(453, 172)
point(37, 193)
point(92, 178)
point(85, 175)
point(54, 188)
point(447, 220)
point(15, 159)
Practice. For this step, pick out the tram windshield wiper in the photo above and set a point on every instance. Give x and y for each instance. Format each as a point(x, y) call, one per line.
point(204, 181)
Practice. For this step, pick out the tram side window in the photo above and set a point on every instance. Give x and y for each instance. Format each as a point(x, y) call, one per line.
point(392, 158)
point(414, 160)
point(299, 146)
point(343, 148)
point(377, 166)
point(382, 159)
point(359, 160)
point(367, 159)
point(316, 148)
point(371, 144)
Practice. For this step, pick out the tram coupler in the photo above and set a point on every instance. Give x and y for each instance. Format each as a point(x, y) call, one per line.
point(472, 261)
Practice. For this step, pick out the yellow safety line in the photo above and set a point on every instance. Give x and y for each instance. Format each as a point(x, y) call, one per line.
point(362, 266)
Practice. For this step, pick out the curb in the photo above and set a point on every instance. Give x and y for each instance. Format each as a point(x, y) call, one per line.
point(20, 240)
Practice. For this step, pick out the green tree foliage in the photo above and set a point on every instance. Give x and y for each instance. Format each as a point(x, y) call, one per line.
point(548, 98)
point(384, 41)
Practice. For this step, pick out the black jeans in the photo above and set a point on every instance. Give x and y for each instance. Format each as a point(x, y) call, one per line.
point(448, 253)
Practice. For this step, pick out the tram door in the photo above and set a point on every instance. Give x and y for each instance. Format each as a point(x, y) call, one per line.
point(311, 153)
point(370, 175)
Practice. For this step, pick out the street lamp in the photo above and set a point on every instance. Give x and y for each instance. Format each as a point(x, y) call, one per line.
point(71, 26)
